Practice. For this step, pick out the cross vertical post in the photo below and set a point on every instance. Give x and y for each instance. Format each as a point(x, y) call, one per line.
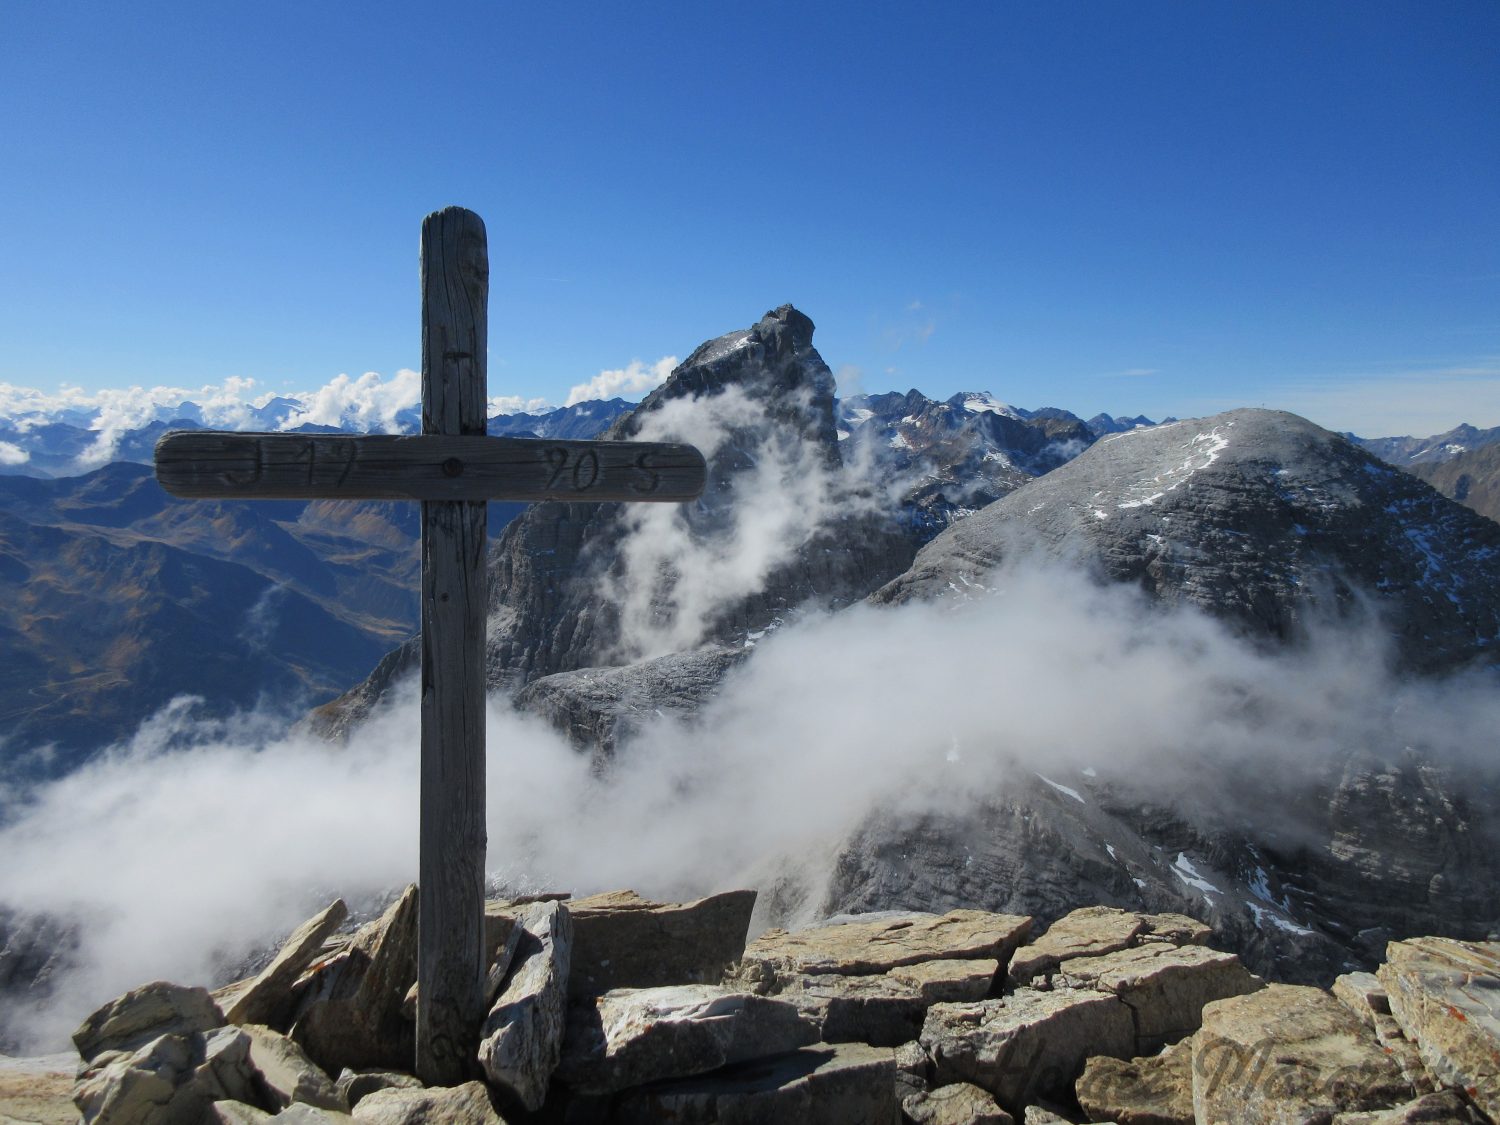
point(450, 968)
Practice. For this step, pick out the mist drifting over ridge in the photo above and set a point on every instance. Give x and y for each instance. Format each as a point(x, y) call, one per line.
point(1030, 679)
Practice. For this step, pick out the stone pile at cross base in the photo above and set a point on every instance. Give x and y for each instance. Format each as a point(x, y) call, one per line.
point(617, 1009)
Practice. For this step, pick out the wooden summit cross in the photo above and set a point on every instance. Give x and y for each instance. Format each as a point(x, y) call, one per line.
point(453, 468)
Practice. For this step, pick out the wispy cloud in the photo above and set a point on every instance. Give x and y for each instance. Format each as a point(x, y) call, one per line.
point(635, 378)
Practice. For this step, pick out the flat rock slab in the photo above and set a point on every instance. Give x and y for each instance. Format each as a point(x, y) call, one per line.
point(1093, 931)
point(821, 1085)
point(622, 940)
point(468, 1104)
point(521, 1040)
point(956, 1104)
point(1289, 1054)
point(1027, 1045)
point(876, 1010)
point(1445, 994)
point(1166, 986)
point(632, 1036)
point(1154, 1090)
point(1087, 932)
point(865, 948)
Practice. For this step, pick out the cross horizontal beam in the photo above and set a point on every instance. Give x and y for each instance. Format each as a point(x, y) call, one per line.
point(279, 466)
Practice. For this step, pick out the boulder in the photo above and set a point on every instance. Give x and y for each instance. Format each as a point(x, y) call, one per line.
point(226, 1072)
point(468, 1104)
point(521, 1040)
point(1445, 994)
point(287, 1075)
point(145, 1086)
point(357, 1084)
point(1087, 932)
point(502, 937)
point(877, 1010)
point(631, 1036)
point(1154, 1090)
point(267, 997)
point(349, 1014)
point(860, 948)
point(1289, 1053)
point(821, 1085)
point(1165, 986)
point(1029, 1044)
point(621, 940)
point(956, 1104)
point(144, 1014)
point(948, 981)
point(1447, 1107)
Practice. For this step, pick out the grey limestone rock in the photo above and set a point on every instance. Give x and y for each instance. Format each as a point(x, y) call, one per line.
point(1150, 1090)
point(1164, 986)
point(1028, 1045)
point(521, 1041)
point(468, 1104)
point(819, 1085)
point(1289, 1053)
point(1445, 995)
point(861, 948)
point(287, 1075)
point(959, 1103)
point(144, 1014)
point(622, 940)
point(267, 997)
point(631, 1036)
point(349, 1009)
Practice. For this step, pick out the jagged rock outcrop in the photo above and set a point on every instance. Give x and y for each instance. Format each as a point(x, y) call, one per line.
point(1063, 1045)
point(764, 396)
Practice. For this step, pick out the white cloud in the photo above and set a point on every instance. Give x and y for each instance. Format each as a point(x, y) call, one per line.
point(515, 404)
point(13, 454)
point(635, 379)
point(369, 403)
point(198, 843)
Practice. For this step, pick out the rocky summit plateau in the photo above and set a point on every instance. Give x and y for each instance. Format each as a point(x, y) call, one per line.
point(617, 1009)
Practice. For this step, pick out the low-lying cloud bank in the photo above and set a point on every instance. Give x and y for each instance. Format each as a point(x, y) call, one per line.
point(182, 852)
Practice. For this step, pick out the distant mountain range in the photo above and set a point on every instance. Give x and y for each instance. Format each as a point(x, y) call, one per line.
point(113, 589)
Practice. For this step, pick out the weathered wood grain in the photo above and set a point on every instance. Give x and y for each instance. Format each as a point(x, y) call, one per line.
point(204, 464)
point(452, 835)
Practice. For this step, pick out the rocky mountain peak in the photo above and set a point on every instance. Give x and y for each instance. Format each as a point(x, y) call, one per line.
point(773, 363)
point(1260, 518)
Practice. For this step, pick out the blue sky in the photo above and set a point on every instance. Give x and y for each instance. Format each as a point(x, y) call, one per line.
point(1144, 207)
